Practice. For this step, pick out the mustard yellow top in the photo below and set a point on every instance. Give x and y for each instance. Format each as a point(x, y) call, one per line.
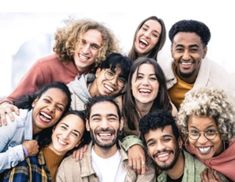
point(178, 91)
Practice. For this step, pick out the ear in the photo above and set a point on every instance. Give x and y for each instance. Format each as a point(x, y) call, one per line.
point(87, 125)
point(97, 73)
point(180, 142)
point(121, 124)
point(34, 102)
point(205, 51)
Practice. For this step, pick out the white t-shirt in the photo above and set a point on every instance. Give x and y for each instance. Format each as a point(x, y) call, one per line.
point(108, 169)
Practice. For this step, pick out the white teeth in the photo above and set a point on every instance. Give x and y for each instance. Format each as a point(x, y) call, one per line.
point(83, 58)
point(144, 42)
point(45, 116)
point(145, 90)
point(105, 134)
point(204, 150)
point(61, 142)
point(109, 88)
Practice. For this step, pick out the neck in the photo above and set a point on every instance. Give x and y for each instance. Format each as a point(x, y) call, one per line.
point(143, 109)
point(55, 151)
point(177, 171)
point(105, 152)
point(92, 89)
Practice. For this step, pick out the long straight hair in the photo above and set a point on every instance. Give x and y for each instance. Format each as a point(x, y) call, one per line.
point(153, 53)
point(162, 100)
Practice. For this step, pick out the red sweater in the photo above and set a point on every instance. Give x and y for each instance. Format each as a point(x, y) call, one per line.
point(45, 70)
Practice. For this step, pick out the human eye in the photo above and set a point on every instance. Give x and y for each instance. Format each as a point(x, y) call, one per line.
point(110, 73)
point(95, 46)
point(153, 78)
point(193, 133)
point(210, 132)
point(150, 143)
point(63, 127)
point(46, 100)
point(155, 35)
point(60, 108)
point(139, 76)
point(75, 134)
point(166, 139)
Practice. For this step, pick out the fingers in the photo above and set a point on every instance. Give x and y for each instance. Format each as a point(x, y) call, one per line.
point(7, 110)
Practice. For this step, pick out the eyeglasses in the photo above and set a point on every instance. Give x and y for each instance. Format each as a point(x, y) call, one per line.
point(210, 134)
point(109, 75)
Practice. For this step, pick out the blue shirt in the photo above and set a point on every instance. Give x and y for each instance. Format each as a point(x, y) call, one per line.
point(11, 138)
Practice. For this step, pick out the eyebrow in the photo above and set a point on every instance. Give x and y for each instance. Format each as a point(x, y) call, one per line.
point(73, 129)
point(99, 115)
point(205, 128)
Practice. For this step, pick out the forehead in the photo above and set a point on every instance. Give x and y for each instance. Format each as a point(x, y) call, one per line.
point(159, 133)
point(73, 121)
point(92, 35)
point(153, 24)
point(104, 108)
point(54, 93)
point(145, 68)
point(187, 38)
point(201, 122)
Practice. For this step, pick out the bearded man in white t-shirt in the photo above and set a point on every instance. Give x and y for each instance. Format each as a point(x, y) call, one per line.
point(105, 160)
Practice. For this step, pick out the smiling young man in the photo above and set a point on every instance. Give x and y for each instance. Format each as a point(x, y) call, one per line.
point(105, 160)
point(109, 80)
point(190, 68)
point(164, 145)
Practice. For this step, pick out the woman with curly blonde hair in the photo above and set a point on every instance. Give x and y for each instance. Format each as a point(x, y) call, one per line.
point(79, 47)
point(207, 121)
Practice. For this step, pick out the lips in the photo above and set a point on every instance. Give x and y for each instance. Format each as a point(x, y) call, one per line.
point(83, 58)
point(204, 150)
point(162, 156)
point(143, 43)
point(45, 117)
point(108, 88)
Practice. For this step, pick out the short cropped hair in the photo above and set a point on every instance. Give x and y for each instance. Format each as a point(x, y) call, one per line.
point(155, 120)
point(194, 26)
point(208, 102)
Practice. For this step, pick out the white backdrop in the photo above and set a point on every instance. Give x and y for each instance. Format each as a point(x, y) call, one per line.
point(30, 21)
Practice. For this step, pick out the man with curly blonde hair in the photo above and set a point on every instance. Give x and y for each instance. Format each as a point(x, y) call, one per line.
point(207, 122)
point(79, 47)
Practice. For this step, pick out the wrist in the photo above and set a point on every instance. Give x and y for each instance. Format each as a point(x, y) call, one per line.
point(26, 153)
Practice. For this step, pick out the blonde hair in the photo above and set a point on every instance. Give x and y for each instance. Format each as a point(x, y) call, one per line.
point(211, 103)
point(68, 37)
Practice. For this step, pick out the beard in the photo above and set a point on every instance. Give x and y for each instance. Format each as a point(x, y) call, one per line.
point(104, 145)
point(172, 164)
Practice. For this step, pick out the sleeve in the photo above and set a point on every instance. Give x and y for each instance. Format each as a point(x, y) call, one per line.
point(150, 175)
point(131, 140)
point(11, 157)
point(60, 176)
point(29, 83)
point(10, 153)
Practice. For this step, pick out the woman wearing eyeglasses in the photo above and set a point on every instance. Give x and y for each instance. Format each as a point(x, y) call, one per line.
point(207, 121)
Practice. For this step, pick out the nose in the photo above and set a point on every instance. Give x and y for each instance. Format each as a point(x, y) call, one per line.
point(186, 55)
point(65, 134)
point(147, 34)
point(145, 81)
point(51, 108)
point(114, 80)
point(160, 146)
point(86, 48)
point(104, 123)
point(202, 139)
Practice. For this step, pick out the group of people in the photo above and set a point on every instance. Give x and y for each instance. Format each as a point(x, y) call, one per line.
point(88, 107)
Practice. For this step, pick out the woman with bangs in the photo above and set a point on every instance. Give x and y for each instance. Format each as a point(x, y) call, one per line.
point(207, 122)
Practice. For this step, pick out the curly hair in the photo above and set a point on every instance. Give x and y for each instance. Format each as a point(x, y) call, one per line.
point(68, 37)
point(133, 55)
point(211, 103)
point(191, 26)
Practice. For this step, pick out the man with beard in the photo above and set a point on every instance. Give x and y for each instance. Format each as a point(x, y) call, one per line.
point(190, 69)
point(105, 160)
point(164, 145)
